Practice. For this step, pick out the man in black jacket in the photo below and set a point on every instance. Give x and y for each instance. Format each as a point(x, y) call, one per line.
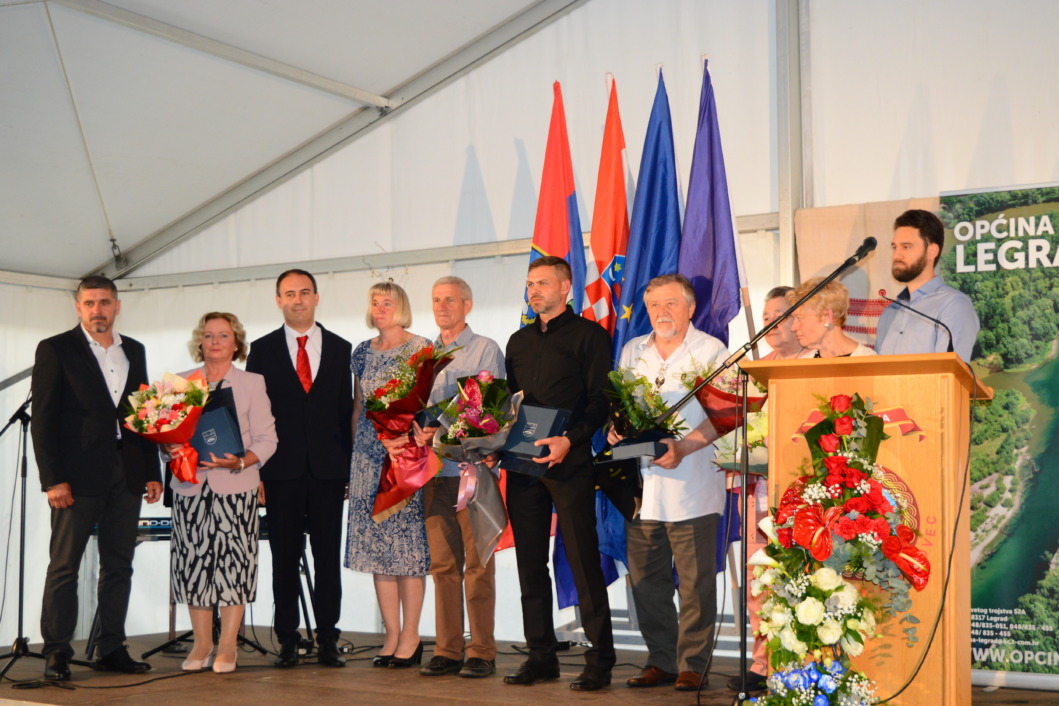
point(560, 360)
point(94, 471)
point(306, 370)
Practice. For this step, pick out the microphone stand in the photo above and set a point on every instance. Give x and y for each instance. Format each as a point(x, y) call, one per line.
point(937, 322)
point(20, 648)
point(744, 469)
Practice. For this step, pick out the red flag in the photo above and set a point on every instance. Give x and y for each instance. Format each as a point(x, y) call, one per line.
point(610, 224)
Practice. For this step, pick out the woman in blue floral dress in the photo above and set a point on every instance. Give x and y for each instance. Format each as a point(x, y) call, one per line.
point(394, 550)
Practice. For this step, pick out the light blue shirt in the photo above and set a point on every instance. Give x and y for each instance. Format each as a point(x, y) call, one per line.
point(477, 353)
point(902, 331)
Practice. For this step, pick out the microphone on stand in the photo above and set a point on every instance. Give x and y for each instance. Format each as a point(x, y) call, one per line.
point(866, 247)
point(882, 293)
point(862, 252)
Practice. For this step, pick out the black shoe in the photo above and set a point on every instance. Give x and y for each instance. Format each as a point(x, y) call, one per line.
point(382, 660)
point(57, 667)
point(328, 655)
point(592, 679)
point(402, 662)
point(754, 682)
point(288, 655)
point(119, 661)
point(439, 666)
point(532, 671)
point(476, 668)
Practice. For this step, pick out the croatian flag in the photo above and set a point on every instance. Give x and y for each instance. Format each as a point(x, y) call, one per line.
point(557, 230)
point(610, 224)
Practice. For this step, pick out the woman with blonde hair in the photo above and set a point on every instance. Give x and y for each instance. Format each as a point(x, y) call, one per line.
point(395, 550)
point(215, 521)
point(818, 323)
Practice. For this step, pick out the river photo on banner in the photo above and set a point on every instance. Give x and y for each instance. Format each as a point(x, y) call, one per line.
point(1003, 252)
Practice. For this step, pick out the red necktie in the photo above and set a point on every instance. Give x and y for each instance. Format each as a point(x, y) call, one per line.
point(305, 373)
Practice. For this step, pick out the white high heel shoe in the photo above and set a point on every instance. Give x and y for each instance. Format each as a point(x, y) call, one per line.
point(220, 667)
point(194, 665)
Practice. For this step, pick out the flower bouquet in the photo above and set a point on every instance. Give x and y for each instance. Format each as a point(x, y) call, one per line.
point(835, 524)
point(635, 407)
point(391, 409)
point(722, 398)
point(475, 423)
point(167, 412)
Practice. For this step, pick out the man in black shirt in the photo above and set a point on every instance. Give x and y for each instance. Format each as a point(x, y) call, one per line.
point(560, 360)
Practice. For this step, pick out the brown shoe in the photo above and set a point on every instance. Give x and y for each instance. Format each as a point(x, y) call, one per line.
point(652, 676)
point(689, 681)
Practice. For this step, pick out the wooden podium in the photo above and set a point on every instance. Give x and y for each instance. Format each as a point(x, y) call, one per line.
point(926, 402)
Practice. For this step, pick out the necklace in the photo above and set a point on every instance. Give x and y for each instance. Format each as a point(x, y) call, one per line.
point(660, 379)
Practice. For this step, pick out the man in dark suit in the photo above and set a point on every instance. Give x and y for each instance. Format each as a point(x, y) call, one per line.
point(94, 471)
point(306, 370)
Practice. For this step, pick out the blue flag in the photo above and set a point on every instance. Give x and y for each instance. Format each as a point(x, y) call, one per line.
point(707, 249)
point(654, 233)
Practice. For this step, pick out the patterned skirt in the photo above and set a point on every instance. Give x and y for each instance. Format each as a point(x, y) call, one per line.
point(214, 548)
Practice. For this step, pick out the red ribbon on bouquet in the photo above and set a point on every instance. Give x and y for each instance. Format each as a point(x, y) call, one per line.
point(723, 407)
point(409, 469)
point(185, 461)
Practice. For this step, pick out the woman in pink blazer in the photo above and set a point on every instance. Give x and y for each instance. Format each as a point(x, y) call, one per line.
point(215, 521)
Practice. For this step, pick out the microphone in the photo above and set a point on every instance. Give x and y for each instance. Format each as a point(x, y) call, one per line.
point(882, 293)
point(866, 247)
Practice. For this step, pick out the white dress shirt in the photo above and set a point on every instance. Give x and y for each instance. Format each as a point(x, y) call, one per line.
point(114, 365)
point(313, 346)
point(695, 488)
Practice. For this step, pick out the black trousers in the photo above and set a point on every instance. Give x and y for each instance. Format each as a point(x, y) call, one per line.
point(116, 512)
point(294, 507)
point(529, 503)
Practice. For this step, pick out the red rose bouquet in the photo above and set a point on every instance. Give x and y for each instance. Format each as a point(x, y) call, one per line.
point(167, 412)
point(391, 409)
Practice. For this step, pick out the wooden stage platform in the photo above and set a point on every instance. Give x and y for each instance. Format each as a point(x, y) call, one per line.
point(257, 682)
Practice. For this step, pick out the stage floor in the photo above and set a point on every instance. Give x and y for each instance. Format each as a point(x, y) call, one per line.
point(256, 681)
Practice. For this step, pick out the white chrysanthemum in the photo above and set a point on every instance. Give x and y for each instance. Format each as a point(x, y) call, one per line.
point(779, 614)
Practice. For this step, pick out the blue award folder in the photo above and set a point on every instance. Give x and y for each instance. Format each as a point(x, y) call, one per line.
point(534, 422)
point(218, 429)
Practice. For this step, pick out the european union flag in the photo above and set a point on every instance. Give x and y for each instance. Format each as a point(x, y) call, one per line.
point(654, 234)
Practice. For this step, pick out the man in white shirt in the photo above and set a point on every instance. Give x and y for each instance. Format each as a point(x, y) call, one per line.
point(94, 471)
point(683, 497)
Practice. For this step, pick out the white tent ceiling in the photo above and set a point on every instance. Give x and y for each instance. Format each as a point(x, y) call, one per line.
point(140, 118)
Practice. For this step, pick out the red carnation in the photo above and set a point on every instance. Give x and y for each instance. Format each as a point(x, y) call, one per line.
point(845, 529)
point(881, 527)
point(829, 443)
point(844, 426)
point(840, 403)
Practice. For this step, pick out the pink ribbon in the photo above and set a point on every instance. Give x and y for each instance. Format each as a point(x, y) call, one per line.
point(468, 484)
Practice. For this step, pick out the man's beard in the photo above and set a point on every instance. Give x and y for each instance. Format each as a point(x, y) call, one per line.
point(910, 272)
